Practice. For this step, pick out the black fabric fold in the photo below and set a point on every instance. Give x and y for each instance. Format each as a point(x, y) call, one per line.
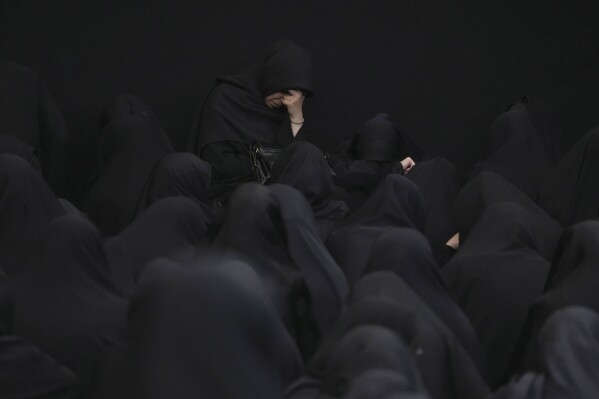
point(192, 329)
point(26, 204)
point(407, 253)
point(64, 300)
point(174, 228)
point(274, 230)
point(128, 149)
point(496, 275)
point(395, 203)
point(304, 167)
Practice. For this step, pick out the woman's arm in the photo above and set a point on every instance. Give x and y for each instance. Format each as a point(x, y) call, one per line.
point(354, 174)
point(294, 102)
point(230, 160)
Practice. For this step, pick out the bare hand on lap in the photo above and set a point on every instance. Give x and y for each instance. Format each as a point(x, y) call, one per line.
point(407, 164)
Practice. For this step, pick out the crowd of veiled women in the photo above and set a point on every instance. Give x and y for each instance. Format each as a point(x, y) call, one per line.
point(352, 275)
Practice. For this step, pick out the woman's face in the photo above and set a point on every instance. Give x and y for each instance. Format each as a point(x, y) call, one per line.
point(275, 100)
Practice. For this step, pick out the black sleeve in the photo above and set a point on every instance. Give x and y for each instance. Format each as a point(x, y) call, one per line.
point(285, 134)
point(354, 174)
point(230, 160)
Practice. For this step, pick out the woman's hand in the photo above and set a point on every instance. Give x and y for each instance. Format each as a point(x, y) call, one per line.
point(294, 102)
point(407, 164)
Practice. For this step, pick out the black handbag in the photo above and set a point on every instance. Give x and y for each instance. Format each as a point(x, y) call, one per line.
point(262, 159)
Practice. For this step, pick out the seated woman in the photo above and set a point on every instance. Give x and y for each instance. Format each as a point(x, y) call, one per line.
point(522, 146)
point(66, 276)
point(178, 174)
point(28, 112)
point(407, 253)
point(25, 370)
point(488, 189)
point(173, 228)
point(304, 167)
point(570, 193)
point(263, 104)
point(128, 149)
point(567, 349)
point(380, 148)
point(395, 203)
point(496, 275)
point(26, 204)
point(272, 228)
point(362, 350)
point(207, 331)
point(387, 301)
point(572, 281)
point(377, 149)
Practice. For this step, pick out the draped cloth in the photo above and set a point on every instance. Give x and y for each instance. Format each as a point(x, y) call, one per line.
point(304, 167)
point(13, 145)
point(437, 180)
point(25, 371)
point(395, 203)
point(489, 188)
point(570, 193)
point(376, 150)
point(407, 253)
point(521, 147)
point(192, 329)
point(447, 370)
point(28, 112)
point(174, 228)
point(128, 149)
point(370, 348)
point(234, 115)
point(64, 300)
point(235, 109)
point(274, 229)
point(26, 204)
point(496, 275)
point(180, 174)
point(572, 281)
point(568, 346)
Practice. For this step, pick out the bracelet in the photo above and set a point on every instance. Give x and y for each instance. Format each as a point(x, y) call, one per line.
point(297, 123)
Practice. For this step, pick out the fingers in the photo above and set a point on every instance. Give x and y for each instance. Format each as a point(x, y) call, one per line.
point(291, 101)
point(294, 94)
point(407, 164)
point(274, 103)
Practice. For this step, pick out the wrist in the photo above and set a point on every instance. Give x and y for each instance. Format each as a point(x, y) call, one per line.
point(296, 116)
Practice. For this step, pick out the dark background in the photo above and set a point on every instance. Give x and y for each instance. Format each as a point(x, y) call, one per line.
point(443, 69)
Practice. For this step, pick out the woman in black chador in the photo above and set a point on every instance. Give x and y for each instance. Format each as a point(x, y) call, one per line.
point(273, 229)
point(522, 147)
point(380, 148)
point(566, 358)
point(207, 332)
point(65, 302)
point(26, 204)
point(262, 104)
point(304, 167)
point(129, 147)
point(496, 275)
point(26, 372)
point(570, 193)
point(30, 115)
